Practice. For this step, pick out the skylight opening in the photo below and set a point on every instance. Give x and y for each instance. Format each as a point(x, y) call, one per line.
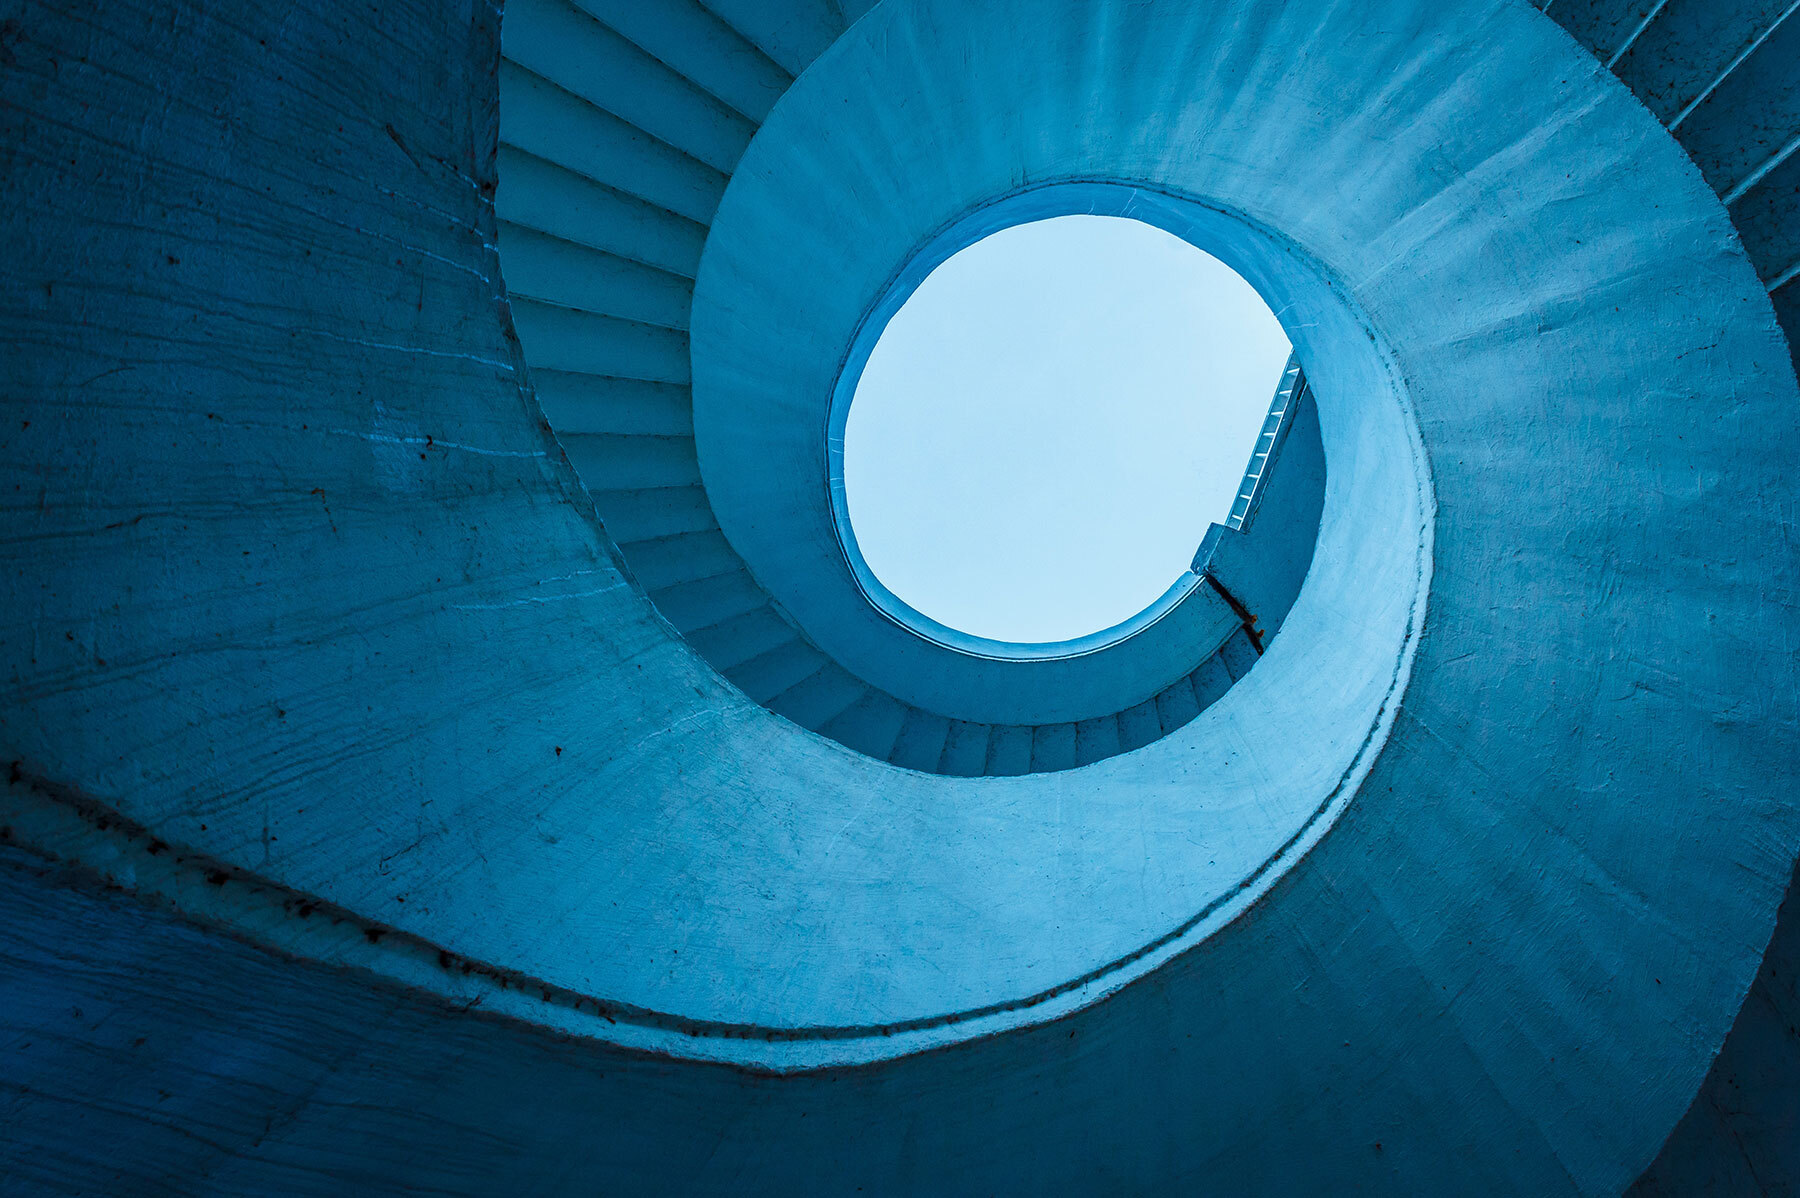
point(1048, 425)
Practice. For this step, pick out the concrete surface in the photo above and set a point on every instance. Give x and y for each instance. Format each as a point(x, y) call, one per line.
point(420, 823)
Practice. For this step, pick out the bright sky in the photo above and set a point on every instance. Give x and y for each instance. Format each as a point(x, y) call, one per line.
point(1046, 428)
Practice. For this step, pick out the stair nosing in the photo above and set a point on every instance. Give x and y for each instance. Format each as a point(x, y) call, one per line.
point(508, 223)
point(1732, 66)
point(747, 39)
point(729, 29)
point(692, 83)
point(724, 176)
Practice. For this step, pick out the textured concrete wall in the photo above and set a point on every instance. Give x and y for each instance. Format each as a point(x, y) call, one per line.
point(296, 580)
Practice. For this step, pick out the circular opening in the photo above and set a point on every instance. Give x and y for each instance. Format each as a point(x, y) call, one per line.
point(777, 361)
point(1048, 424)
point(787, 309)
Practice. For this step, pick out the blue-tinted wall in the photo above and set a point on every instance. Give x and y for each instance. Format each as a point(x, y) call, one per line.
point(368, 828)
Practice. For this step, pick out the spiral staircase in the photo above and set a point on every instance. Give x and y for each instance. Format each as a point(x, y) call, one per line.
point(431, 771)
point(619, 128)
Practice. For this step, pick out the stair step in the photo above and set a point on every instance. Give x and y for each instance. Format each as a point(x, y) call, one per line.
point(691, 40)
point(1052, 748)
point(581, 342)
point(597, 403)
point(768, 674)
point(1139, 725)
point(1238, 654)
point(1603, 26)
point(1096, 740)
point(735, 641)
point(1175, 706)
point(656, 512)
point(560, 203)
point(1767, 217)
point(1751, 116)
point(1689, 45)
point(921, 741)
point(681, 558)
point(608, 462)
point(709, 600)
point(965, 750)
point(819, 698)
point(558, 272)
point(1210, 681)
point(567, 46)
point(792, 32)
point(870, 725)
point(1009, 751)
point(544, 120)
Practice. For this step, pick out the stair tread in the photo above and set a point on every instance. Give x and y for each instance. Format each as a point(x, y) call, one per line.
point(1139, 725)
point(575, 402)
point(792, 32)
point(1603, 26)
point(1096, 740)
point(681, 558)
point(544, 120)
point(820, 697)
point(541, 267)
point(1767, 217)
point(1009, 751)
point(690, 39)
point(1211, 680)
point(775, 670)
point(921, 740)
point(965, 750)
point(1175, 706)
point(659, 512)
point(1052, 747)
point(870, 725)
point(561, 203)
point(557, 338)
point(1689, 45)
point(732, 642)
point(1751, 115)
point(568, 46)
point(609, 462)
point(706, 601)
point(1238, 654)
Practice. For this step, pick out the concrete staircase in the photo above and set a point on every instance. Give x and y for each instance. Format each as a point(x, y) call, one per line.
point(620, 125)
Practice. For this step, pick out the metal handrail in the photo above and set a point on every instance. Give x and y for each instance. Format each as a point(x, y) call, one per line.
point(1268, 446)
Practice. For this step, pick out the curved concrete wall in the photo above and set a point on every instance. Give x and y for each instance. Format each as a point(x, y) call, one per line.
point(1263, 565)
point(312, 643)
